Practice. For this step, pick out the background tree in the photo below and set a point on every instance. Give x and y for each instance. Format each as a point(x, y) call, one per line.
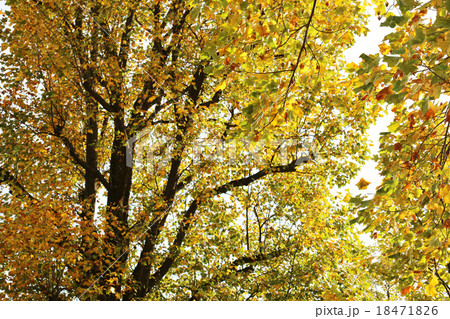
point(196, 219)
point(410, 211)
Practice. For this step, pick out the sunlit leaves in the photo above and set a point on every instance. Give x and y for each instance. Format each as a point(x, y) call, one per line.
point(430, 289)
point(410, 208)
point(221, 99)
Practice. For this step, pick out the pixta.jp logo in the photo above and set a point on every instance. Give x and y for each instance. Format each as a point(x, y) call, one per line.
point(145, 148)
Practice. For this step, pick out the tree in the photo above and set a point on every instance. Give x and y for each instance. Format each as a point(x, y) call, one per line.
point(410, 211)
point(220, 207)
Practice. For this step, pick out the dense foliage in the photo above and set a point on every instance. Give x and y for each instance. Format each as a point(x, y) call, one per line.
point(186, 150)
point(410, 213)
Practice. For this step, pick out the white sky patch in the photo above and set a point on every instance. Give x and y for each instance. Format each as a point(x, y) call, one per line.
point(369, 45)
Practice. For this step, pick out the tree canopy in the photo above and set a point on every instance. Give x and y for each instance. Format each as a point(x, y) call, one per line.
point(186, 150)
point(410, 210)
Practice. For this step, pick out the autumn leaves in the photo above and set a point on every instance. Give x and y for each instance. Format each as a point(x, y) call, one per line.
point(411, 207)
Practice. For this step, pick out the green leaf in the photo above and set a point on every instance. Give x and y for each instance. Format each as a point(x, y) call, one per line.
point(396, 98)
point(340, 10)
point(367, 87)
point(442, 22)
point(195, 12)
point(391, 60)
point(420, 36)
point(435, 242)
point(398, 85)
point(393, 127)
point(408, 236)
point(356, 200)
point(392, 21)
point(399, 51)
point(370, 61)
point(407, 5)
point(393, 37)
point(424, 105)
point(408, 66)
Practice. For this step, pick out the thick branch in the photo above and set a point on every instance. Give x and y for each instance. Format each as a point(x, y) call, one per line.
point(174, 249)
point(250, 179)
point(194, 89)
point(79, 161)
point(125, 41)
point(90, 188)
point(141, 273)
point(214, 99)
point(88, 87)
point(255, 258)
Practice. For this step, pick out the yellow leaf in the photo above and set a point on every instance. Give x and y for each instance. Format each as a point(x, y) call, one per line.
point(262, 30)
point(297, 110)
point(352, 66)
point(346, 38)
point(384, 48)
point(362, 184)
point(241, 58)
point(446, 194)
point(443, 43)
point(221, 86)
point(436, 91)
point(430, 289)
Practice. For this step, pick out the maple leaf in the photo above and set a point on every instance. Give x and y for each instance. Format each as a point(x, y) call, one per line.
point(362, 184)
point(446, 223)
point(381, 95)
point(398, 146)
point(405, 291)
point(384, 48)
point(430, 113)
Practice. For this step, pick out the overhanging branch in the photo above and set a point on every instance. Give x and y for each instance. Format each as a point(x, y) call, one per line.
point(250, 179)
point(7, 177)
point(305, 38)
